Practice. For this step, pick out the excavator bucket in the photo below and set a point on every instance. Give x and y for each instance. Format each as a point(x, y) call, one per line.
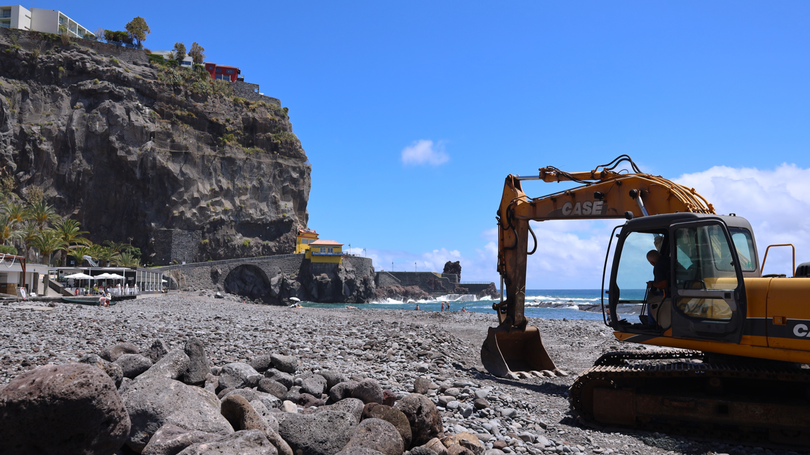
point(504, 351)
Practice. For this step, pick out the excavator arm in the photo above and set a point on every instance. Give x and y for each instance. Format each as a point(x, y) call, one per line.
point(604, 193)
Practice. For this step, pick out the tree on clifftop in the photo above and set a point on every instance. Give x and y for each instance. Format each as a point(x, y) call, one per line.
point(196, 53)
point(179, 52)
point(138, 30)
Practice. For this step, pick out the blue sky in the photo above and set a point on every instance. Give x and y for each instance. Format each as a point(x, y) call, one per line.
point(413, 113)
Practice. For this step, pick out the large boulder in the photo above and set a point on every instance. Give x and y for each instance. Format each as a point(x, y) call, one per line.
point(240, 414)
point(351, 405)
point(266, 414)
point(322, 433)
point(171, 439)
point(379, 435)
point(133, 364)
point(237, 375)
point(246, 442)
point(279, 376)
point(285, 363)
point(369, 391)
point(313, 384)
point(272, 387)
point(156, 351)
point(113, 370)
point(342, 390)
point(332, 378)
point(198, 367)
point(155, 401)
point(424, 417)
point(361, 451)
point(261, 363)
point(393, 416)
point(172, 365)
point(65, 409)
point(112, 353)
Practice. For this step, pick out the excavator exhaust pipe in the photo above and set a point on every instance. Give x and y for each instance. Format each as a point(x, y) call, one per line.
point(507, 351)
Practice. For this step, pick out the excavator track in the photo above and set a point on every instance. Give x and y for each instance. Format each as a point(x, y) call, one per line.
point(738, 402)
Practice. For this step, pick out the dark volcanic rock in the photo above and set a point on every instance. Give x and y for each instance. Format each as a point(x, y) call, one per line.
point(113, 370)
point(133, 364)
point(379, 435)
point(285, 363)
point(246, 442)
point(112, 353)
point(369, 391)
point(155, 401)
point(351, 405)
point(425, 420)
point(237, 375)
point(157, 351)
point(198, 362)
point(322, 433)
point(342, 390)
point(173, 365)
point(393, 416)
point(313, 384)
point(272, 387)
point(241, 415)
point(67, 409)
point(171, 439)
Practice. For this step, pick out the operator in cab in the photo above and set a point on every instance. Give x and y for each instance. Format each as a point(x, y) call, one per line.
point(658, 285)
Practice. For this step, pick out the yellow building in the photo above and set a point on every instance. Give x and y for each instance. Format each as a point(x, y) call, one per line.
point(305, 238)
point(325, 251)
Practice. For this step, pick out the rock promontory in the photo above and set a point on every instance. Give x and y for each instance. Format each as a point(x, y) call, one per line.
point(162, 156)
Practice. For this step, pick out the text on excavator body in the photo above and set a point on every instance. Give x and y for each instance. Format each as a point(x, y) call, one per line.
point(583, 208)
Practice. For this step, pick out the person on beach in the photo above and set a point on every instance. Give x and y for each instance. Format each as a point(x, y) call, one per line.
point(658, 285)
point(417, 307)
point(442, 306)
point(447, 305)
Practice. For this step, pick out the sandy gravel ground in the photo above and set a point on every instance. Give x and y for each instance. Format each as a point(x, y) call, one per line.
point(392, 346)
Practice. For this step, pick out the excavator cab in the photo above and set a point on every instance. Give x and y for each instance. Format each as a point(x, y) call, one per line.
point(704, 296)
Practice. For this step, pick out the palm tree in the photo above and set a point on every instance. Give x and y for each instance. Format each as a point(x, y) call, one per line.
point(70, 231)
point(16, 212)
point(79, 252)
point(42, 213)
point(102, 253)
point(126, 259)
point(7, 231)
point(48, 241)
point(27, 232)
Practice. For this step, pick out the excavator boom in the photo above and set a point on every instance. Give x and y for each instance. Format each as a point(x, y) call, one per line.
point(604, 193)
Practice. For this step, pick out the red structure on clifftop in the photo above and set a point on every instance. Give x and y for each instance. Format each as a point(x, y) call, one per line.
point(227, 73)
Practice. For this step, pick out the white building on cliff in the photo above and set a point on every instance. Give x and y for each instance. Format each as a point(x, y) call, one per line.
point(39, 20)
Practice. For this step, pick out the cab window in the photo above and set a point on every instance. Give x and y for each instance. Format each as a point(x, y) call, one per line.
point(745, 248)
point(703, 261)
point(634, 270)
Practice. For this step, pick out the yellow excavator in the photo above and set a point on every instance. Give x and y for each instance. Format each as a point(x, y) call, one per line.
point(741, 370)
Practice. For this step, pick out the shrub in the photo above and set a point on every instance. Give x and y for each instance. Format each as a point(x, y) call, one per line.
point(8, 249)
point(155, 58)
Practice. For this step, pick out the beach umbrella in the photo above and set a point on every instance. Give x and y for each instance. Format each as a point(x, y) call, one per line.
point(80, 276)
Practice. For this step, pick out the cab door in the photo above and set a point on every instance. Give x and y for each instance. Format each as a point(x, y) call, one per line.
point(707, 289)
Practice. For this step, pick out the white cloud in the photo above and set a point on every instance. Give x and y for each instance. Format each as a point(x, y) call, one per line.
point(424, 152)
point(775, 201)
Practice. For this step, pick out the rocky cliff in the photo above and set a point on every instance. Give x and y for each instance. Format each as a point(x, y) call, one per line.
point(135, 150)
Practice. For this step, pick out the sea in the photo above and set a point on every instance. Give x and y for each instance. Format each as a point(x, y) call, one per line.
point(540, 303)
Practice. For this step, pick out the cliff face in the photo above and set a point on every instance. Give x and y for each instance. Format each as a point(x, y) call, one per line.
point(139, 151)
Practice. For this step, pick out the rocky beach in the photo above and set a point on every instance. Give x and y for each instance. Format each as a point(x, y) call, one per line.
point(193, 373)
